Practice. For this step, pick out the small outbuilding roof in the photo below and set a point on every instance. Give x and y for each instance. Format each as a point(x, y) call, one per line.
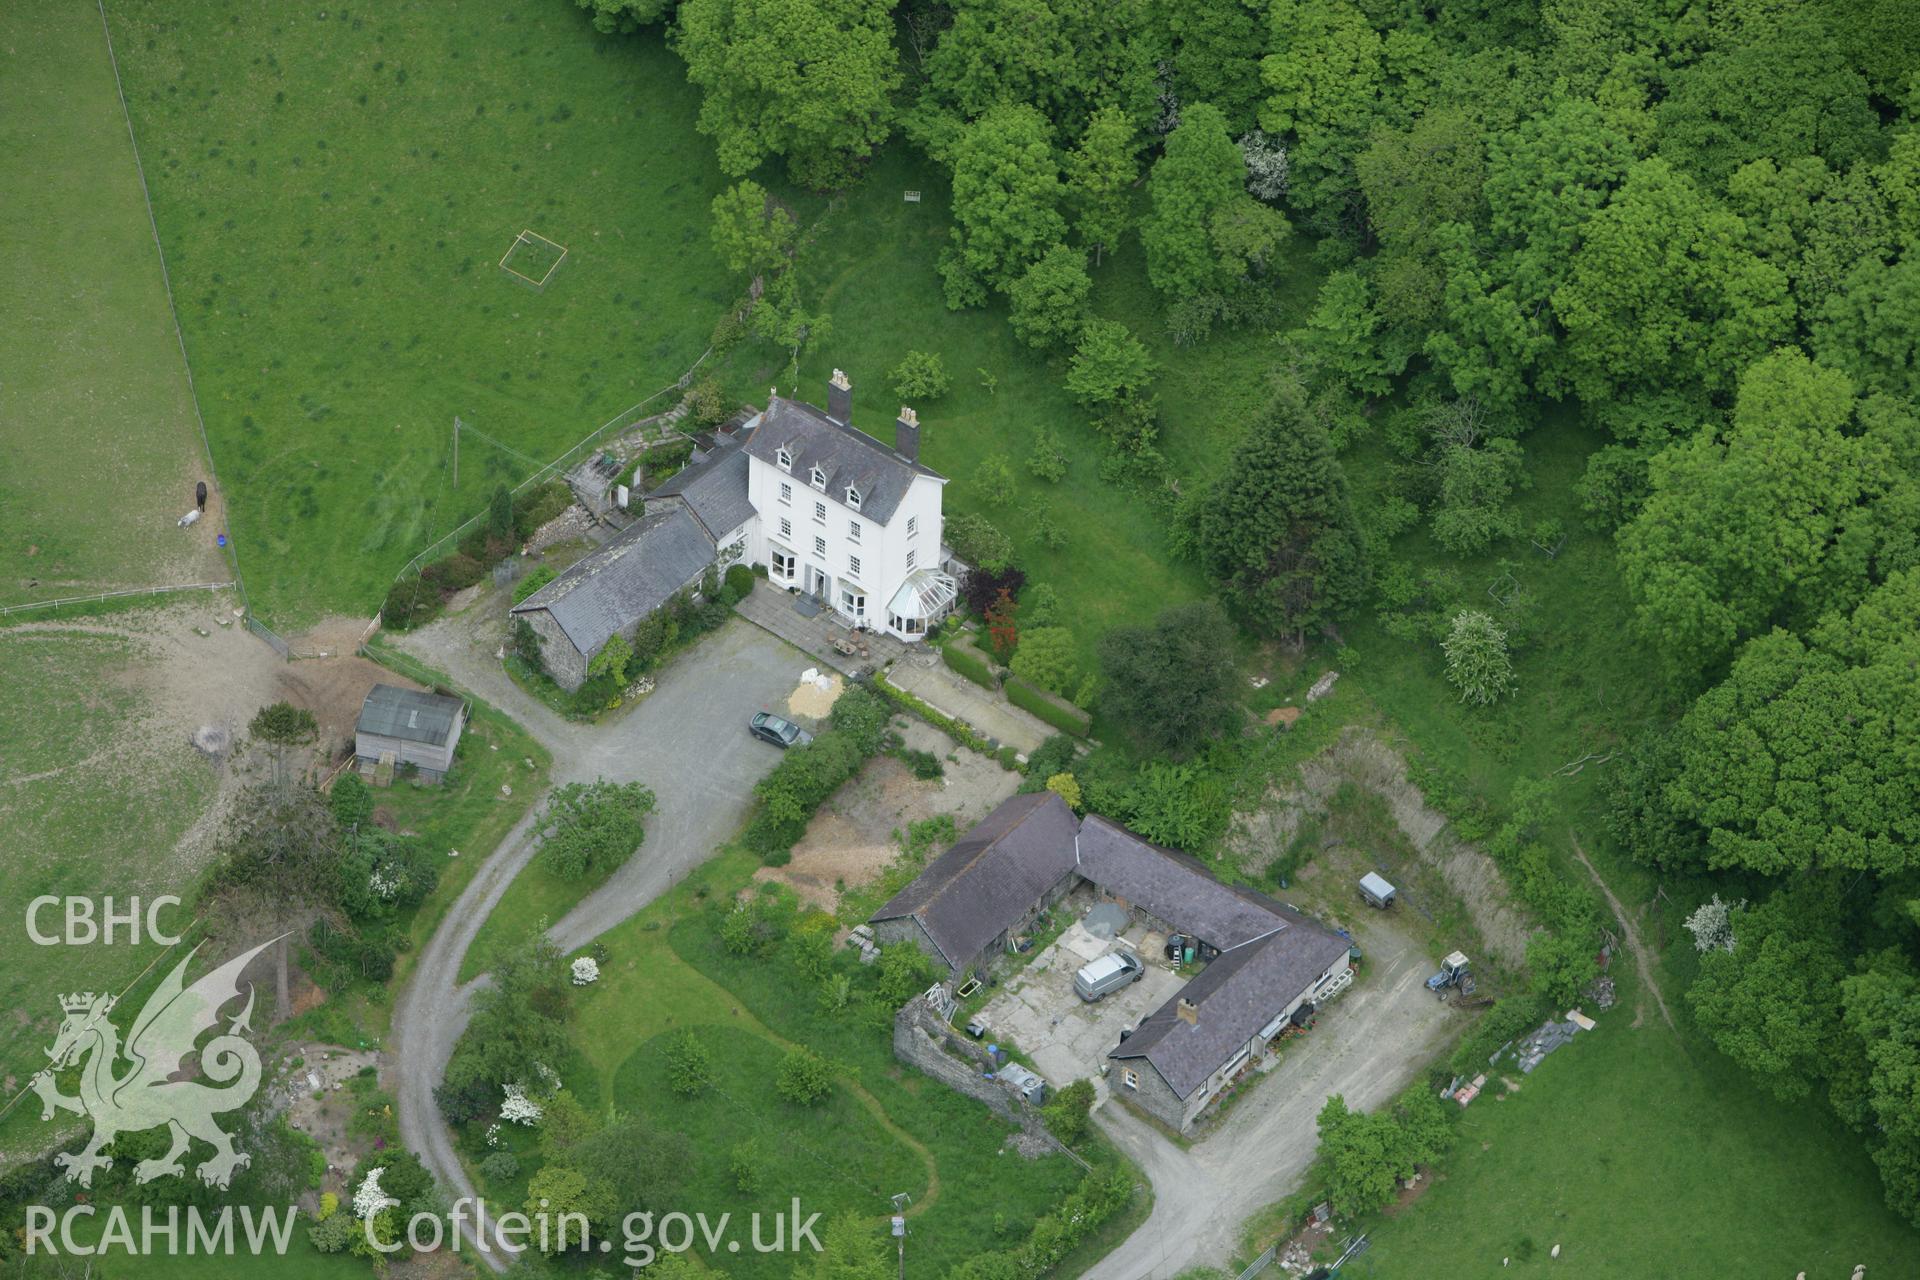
point(636, 572)
point(1376, 885)
point(409, 714)
point(991, 877)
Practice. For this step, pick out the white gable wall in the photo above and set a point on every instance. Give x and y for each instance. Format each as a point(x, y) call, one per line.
point(829, 544)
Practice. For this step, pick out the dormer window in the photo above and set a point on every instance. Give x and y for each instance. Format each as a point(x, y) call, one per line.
point(853, 497)
point(784, 458)
point(818, 479)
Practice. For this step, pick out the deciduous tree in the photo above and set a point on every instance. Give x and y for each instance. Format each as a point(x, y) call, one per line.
point(810, 80)
point(1006, 202)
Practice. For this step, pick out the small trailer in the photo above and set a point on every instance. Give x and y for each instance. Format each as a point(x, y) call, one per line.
point(1376, 892)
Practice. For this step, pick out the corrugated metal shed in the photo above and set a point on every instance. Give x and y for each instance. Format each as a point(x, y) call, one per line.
point(409, 715)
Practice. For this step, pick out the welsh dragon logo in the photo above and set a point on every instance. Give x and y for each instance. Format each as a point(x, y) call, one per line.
point(145, 1095)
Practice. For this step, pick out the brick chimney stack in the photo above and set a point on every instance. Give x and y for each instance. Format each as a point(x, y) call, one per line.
point(840, 398)
point(906, 434)
point(1188, 1012)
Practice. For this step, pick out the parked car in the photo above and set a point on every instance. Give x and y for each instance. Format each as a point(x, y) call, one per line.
point(1109, 973)
point(781, 733)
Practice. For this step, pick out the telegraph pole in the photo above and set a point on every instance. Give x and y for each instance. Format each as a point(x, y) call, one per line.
point(900, 1202)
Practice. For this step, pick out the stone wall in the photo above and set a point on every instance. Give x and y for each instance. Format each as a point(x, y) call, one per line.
point(907, 929)
point(1152, 1095)
point(566, 664)
point(921, 1039)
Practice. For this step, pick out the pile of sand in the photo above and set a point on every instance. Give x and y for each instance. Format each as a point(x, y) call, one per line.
point(816, 695)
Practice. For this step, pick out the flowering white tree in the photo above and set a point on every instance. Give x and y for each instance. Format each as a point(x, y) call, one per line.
point(1712, 924)
point(493, 1134)
point(519, 1108)
point(383, 884)
point(1266, 166)
point(370, 1199)
point(586, 970)
point(1477, 661)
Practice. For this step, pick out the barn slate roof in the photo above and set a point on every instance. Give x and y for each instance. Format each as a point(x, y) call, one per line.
point(991, 877)
point(636, 572)
point(1171, 885)
point(1234, 997)
point(716, 489)
point(409, 714)
point(848, 455)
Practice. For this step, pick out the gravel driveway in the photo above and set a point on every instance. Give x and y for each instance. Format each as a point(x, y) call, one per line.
point(687, 740)
point(1367, 1046)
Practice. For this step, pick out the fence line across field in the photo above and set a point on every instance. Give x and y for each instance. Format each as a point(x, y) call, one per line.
point(624, 418)
point(115, 595)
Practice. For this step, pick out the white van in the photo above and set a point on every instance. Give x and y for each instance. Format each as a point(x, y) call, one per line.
point(1109, 973)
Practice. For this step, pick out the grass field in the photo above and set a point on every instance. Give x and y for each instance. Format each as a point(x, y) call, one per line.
point(1644, 1154)
point(90, 806)
point(336, 186)
point(100, 442)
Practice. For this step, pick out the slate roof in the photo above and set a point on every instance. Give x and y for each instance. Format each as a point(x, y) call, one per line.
point(848, 455)
point(991, 877)
point(1173, 886)
point(1235, 996)
point(716, 489)
point(635, 573)
point(409, 714)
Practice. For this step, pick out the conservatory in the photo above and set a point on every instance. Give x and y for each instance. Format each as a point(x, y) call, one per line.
point(922, 600)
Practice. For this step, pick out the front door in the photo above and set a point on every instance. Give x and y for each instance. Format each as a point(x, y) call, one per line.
point(816, 582)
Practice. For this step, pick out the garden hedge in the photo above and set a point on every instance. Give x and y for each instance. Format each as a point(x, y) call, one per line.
point(1058, 712)
point(969, 662)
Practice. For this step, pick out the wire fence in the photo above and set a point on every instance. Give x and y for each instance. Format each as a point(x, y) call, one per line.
point(166, 282)
point(592, 440)
point(1260, 1263)
point(98, 596)
point(279, 645)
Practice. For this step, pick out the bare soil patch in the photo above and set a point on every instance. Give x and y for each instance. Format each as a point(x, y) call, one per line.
point(1360, 757)
point(319, 1103)
point(855, 834)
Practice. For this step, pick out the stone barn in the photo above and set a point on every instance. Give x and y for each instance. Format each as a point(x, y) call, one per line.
point(972, 900)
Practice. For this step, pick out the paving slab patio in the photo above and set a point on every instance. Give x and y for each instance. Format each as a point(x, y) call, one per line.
point(1067, 1038)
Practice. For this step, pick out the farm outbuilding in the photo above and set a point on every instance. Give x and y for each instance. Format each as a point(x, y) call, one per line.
point(400, 727)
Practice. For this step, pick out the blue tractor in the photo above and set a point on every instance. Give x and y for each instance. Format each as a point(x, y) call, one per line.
point(1453, 975)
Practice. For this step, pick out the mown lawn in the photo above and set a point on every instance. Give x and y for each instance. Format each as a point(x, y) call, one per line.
point(1645, 1154)
point(101, 448)
point(335, 186)
point(749, 1010)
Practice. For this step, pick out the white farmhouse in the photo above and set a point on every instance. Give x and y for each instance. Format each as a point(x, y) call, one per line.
point(825, 507)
